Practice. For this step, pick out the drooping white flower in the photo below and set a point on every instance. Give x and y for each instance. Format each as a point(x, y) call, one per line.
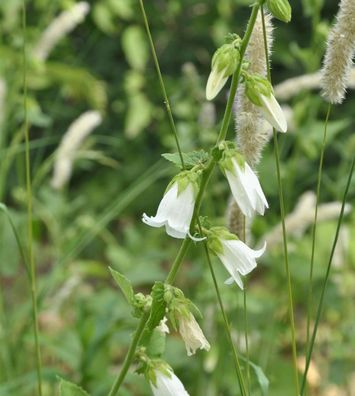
point(177, 206)
point(60, 26)
point(243, 183)
point(236, 256)
point(192, 334)
point(224, 63)
point(167, 384)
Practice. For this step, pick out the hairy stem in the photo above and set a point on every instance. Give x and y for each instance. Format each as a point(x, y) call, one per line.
point(130, 354)
point(284, 234)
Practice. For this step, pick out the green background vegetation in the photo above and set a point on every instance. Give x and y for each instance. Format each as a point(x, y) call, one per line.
point(105, 64)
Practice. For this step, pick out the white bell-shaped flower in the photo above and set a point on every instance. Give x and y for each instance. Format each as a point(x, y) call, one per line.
point(236, 256)
point(216, 81)
point(177, 206)
point(167, 384)
point(192, 334)
point(273, 113)
point(245, 187)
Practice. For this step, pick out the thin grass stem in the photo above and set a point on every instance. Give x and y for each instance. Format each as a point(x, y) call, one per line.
point(162, 84)
point(226, 324)
point(326, 278)
point(32, 268)
point(284, 233)
point(314, 228)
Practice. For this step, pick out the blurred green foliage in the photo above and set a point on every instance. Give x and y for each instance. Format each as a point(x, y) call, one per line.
point(105, 64)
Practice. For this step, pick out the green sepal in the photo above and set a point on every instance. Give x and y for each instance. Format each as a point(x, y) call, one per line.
point(256, 85)
point(225, 60)
point(141, 304)
point(215, 236)
point(230, 154)
point(124, 284)
point(191, 159)
point(280, 9)
point(67, 388)
point(156, 344)
point(155, 365)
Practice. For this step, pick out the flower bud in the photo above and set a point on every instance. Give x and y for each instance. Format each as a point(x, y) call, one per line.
point(280, 9)
point(224, 63)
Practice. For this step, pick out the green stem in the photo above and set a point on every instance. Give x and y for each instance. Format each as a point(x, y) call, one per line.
point(130, 354)
point(206, 176)
point(161, 81)
point(321, 300)
point(284, 234)
point(32, 269)
point(314, 229)
point(235, 80)
point(225, 320)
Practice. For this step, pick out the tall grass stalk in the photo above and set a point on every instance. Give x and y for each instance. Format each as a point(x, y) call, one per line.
point(161, 82)
point(208, 171)
point(32, 268)
point(284, 233)
point(325, 282)
point(314, 228)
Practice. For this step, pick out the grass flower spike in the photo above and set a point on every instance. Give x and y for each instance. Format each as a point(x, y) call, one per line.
point(224, 63)
point(243, 182)
point(260, 92)
point(339, 55)
point(236, 256)
point(176, 208)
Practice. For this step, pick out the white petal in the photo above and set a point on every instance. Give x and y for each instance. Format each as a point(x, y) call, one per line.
point(152, 221)
point(273, 113)
point(168, 386)
point(215, 83)
point(240, 193)
point(229, 263)
point(240, 258)
point(261, 202)
point(237, 279)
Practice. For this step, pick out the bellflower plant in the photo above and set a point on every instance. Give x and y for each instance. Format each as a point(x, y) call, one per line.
point(236, 256)
point(177, 206)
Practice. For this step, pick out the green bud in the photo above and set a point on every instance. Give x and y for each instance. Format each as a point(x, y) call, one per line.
point(226, 59)
point(280, 9)
point(255, 86)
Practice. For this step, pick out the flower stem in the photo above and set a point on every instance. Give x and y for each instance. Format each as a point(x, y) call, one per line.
point(235, 79)
point(314, 229)
point(225, 320)
point(284, 234)
point(162, 85)
point(32, 269)
point(325, 282)
point(130, 354)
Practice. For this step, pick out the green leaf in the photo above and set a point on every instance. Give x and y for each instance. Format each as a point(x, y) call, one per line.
point(260, 376)
point(191, 159)
point(69, 389)
point(124, 284)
